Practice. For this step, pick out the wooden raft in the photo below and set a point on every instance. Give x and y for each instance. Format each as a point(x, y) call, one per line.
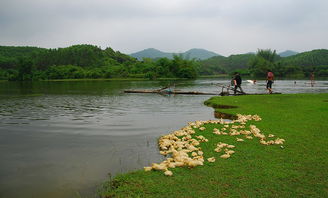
point(169, 92)
point(165, 92)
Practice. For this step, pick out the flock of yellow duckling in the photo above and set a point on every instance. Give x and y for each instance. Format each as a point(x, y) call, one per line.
point(184, 150)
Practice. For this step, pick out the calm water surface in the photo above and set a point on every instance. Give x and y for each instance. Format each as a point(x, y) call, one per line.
point(61, 139)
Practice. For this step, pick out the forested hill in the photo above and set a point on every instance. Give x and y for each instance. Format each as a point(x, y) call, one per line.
point(11, 51)
point(221, 64)
point(86, 61)
point(309, 59)
point(79, 55)
point(10, 54)
point(251, 64)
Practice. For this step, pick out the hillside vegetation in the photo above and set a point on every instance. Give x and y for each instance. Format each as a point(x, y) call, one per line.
point(86, 61)
point(299, 65)
point(221, 64)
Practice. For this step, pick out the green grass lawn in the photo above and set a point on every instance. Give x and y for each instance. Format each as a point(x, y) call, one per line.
point(299, 169)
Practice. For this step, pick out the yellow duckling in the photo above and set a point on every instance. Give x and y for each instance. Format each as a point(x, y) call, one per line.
point(212, 159)
point(194, 163)
point(160, 167)
point(171, 165)
point(256, 117)
point(191, 147)
point(178, 164)
point(148, 168)
point(263, 142)
point(239, 140)
point(199, 158)
point(163, 152)
point(279, 141)
point(225, 156)
point(221, 145)
point(248, 137)
point(194, 142)
point(229, 152)
point(270, 142)
point(168, 173)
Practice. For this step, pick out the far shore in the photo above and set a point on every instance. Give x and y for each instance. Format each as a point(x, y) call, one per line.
point(219, 76)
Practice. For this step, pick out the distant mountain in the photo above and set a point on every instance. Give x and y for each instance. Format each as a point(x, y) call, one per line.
point(190, 54)
point(201, 54)
point(151, 53)
point(287, 53)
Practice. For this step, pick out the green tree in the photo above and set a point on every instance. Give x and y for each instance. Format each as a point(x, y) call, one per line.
point(25, 66)
point(263, 61)
point(267, 54)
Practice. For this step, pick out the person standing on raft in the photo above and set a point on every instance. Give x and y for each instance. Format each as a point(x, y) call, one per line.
point(237, 82)
point(270, 79)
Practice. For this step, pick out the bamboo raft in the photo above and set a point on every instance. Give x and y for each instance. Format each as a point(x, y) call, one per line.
point(167, 92)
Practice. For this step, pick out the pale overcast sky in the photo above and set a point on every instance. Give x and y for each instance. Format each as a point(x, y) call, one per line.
point(223, 26)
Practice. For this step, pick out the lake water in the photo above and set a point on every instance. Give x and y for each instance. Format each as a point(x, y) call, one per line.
point(62, 139)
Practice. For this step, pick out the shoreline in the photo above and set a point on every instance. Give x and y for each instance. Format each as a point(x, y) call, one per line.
point(274, 160)
point(223, 76)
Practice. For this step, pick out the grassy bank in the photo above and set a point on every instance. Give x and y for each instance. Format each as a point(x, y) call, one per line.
point(298, 169)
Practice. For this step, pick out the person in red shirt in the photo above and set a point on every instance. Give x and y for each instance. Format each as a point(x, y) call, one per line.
point(270, 79)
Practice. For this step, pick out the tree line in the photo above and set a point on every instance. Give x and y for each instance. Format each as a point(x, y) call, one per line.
point(297, 66)
point(257, 64)
point(87, 61)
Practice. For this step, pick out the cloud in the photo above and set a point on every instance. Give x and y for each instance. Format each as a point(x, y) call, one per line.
point(223, 26)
